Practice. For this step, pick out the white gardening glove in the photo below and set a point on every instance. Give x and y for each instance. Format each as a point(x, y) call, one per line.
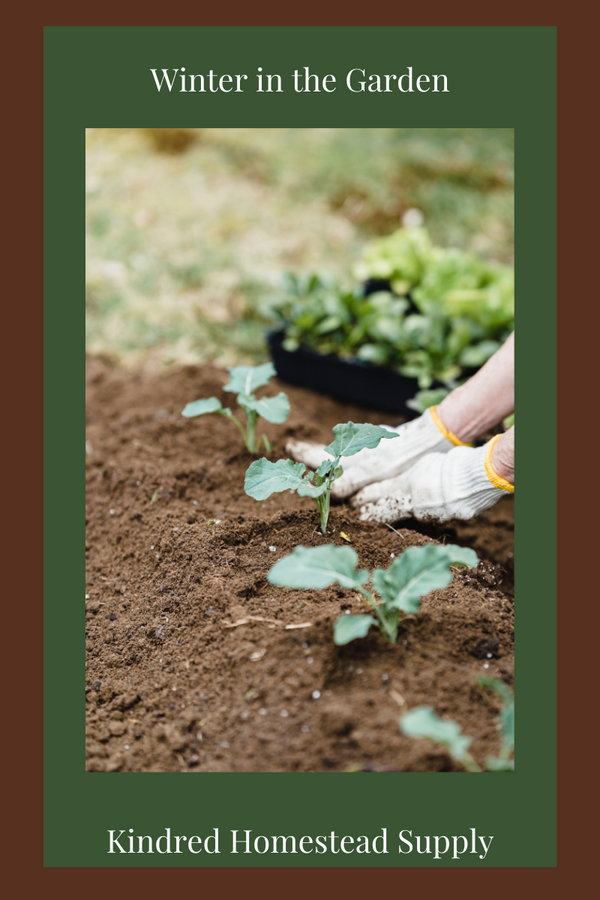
point(440, 486)
point(422, 436)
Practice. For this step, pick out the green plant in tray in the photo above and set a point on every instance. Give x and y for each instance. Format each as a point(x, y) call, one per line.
point(244, 381)
point(264, 478)
point(441, 311)
point(395, 591)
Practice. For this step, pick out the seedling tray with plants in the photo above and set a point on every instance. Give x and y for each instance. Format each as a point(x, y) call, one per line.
point(197, 661)
point(354, 380)
point(415, 318)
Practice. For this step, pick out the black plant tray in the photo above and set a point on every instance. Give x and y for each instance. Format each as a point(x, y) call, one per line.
point(353, 380)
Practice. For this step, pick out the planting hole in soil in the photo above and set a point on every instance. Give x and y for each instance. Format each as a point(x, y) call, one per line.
point(196, 662)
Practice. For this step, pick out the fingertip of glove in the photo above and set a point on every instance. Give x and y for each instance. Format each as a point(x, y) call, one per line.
point(296, 448)
point(364, 514)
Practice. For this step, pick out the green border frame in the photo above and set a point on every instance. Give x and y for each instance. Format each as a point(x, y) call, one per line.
point(498, 76)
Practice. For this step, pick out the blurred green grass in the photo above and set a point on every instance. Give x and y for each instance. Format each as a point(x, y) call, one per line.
point(190, 230)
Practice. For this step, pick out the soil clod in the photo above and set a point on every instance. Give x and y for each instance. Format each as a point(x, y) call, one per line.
point(193, 657)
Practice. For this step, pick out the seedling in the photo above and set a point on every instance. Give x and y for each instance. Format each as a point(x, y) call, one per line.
point(415, 573)
point(244, 381)
point(422, 722)
point(502, 763)
point(264, 478)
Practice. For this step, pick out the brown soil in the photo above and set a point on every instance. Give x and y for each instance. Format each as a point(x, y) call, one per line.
point(179, 678)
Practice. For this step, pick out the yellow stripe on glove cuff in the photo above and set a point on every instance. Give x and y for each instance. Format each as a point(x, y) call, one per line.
point(447, 434)
point(496, 480)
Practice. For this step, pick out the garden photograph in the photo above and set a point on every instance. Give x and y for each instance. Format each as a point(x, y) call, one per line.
point(299, 450)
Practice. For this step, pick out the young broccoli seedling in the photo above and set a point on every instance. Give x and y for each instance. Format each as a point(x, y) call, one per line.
point(415, 573)
point(422, 722)
point(264, 478)
point(244, 381)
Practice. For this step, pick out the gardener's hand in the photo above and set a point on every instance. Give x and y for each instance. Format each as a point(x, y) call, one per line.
point(460, 484)
point(422, 436)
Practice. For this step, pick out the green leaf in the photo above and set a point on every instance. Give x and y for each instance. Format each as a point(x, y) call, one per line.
point(347, 628)
point(273, 409)
point(306, 489)
point(507, 713)
point(201, 407)
point(264, 478)
point(495, 764)
point(318, 567)
point(246, 379)
point(417, 572)
point(478, 354)
point(330, 323)
point(325, 467)
point(373, 353)
point(460, 556)
point(422, 722)
point(424, 399)
point(507, 726)
point(350, 438)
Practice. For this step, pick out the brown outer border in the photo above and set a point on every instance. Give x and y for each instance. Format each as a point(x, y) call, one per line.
point(24, 110)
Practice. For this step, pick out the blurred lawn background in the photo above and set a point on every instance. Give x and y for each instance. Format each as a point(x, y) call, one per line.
point(190, 230)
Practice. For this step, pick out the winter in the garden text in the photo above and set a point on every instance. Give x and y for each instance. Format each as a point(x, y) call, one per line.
point(302, 81)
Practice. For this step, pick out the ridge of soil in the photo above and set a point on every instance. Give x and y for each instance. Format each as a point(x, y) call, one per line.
point(195, 662)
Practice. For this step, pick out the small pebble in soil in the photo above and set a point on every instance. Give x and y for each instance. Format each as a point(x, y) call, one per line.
point(87, 596)
point(138, 483)
point(152, 547)
point(384, 677)
point(195, 502)
point(305, 729)
point(359, 671)
point(351, 668)
point(112, 512)
point(392, 556)
point(127, 746)
point(305, 645)
point(244, 715)
point(486, 665)
point(225, 745)
point(272, 549)
point(262, 712)
point(315, 695)
point(309, 660)
point(283, 713)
